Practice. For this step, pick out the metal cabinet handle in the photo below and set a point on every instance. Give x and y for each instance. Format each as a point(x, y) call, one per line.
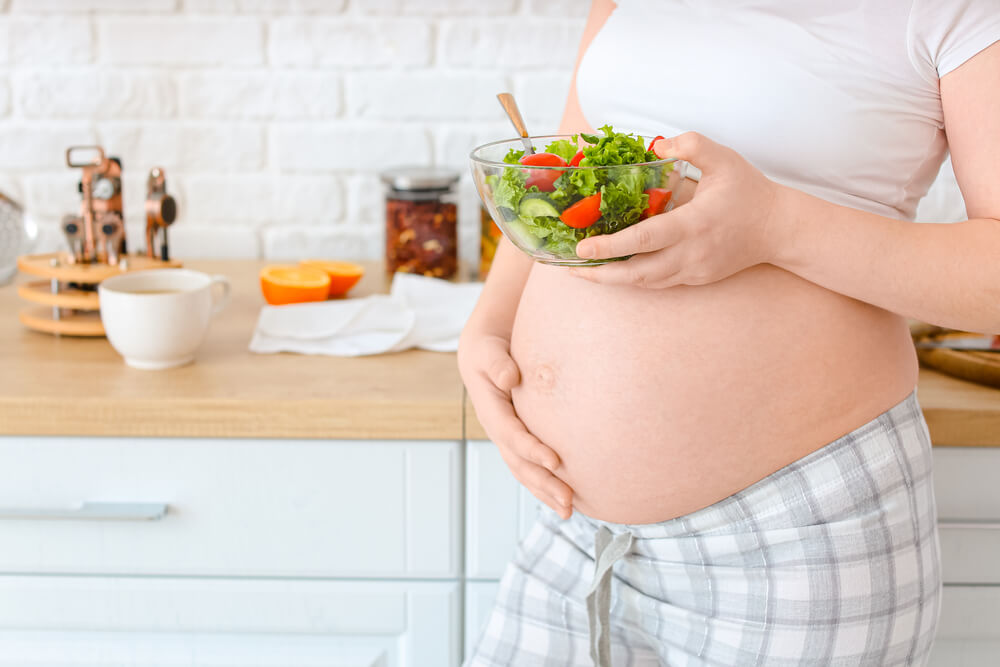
point(990, 524)
point(90, 512)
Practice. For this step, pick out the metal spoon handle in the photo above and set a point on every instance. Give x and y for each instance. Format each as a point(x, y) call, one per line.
point(510, 106)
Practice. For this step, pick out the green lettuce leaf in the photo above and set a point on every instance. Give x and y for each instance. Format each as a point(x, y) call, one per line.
point(509, 188)
point(622, 198)
point(559, 238)
point(564, 148)
point(513, 156)
point(616, 148)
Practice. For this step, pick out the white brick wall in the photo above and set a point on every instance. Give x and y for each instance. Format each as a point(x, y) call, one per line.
point(271, 117)
point(50, 40)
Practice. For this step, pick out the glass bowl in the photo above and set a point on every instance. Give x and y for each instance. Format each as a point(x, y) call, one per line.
point(529, 203)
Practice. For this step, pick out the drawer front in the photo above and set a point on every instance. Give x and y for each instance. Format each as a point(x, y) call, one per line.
point(499, 511)
point(250, 508)
point(69, 621)
point(970, 553)
point(969, 632)
point(966, 483)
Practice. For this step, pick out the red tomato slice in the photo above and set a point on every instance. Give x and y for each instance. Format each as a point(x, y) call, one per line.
point(584, 213)
point(543, 160)
point(543, 179)
point(658, 199)
point(655, 139)
point(575, 162)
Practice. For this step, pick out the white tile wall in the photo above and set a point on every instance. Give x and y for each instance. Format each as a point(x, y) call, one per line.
point(273, 117)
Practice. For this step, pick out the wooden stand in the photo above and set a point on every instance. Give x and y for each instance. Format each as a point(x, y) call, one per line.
point(70, 311)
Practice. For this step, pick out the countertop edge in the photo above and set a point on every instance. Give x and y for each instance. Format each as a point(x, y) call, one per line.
point(239, 418)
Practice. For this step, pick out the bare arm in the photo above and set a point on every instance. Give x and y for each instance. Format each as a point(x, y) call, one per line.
point(944, 274)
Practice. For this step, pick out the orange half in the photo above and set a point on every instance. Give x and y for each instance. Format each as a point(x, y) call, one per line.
point(293, 284)
point(343, 275)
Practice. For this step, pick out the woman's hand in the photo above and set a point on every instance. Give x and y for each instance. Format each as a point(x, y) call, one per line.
point(725, 228)
point(489, 374)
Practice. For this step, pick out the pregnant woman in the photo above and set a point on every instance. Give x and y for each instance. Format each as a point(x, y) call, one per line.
point(725, 428)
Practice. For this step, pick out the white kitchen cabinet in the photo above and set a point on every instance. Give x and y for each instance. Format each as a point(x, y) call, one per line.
point(969, 634)
point(967, 483)
point(233, 507)
point(970, 553)
point(499, 511)
point(269, 553)
point(158, 622)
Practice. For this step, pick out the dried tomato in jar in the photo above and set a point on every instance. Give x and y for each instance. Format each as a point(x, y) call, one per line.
point(421, 221)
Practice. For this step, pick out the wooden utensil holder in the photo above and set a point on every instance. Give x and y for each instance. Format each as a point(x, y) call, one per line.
point(63, 309)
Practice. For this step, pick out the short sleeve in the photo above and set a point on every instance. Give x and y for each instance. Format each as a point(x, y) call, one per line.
point(943, 34)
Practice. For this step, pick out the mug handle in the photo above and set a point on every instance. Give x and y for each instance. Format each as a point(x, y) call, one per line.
point(219, 303)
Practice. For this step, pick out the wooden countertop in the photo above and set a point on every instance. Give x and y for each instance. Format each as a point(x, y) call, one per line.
point(79, 386)
point(76, 386)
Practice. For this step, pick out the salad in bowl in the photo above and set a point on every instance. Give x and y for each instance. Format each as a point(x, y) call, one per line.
point(572, 187)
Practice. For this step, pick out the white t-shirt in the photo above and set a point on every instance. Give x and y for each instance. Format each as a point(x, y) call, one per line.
point(838, 98)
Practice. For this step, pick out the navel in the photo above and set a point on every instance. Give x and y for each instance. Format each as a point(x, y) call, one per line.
point(543, 378)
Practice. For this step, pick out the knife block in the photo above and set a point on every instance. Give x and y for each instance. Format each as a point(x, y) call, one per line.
point(64, 308)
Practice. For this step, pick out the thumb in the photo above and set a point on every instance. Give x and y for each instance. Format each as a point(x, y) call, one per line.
point(501, 369)
point(691, 147)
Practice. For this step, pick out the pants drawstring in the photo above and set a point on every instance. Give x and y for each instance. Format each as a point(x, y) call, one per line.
point(608, 550)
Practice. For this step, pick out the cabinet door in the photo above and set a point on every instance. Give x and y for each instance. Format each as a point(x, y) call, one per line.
point(969, 633)
point(135, 622)
point(233, 507)
point(965, 483)
point(499, 511)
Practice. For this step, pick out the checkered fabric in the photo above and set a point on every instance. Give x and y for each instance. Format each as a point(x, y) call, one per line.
point(832, 560)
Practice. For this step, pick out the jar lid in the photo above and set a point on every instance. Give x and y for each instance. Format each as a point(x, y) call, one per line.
point(419, 178)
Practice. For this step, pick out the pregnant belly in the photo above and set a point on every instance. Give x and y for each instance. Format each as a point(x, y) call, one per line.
point(660, 402)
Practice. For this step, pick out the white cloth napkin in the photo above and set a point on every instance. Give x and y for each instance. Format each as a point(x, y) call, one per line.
point(422, 312)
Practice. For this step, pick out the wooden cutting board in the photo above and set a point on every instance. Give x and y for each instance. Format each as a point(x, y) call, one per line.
point(980, 366)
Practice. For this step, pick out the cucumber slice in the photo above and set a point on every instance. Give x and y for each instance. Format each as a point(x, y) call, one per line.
point(537, 208)
point(507, 213)
point(523, 235)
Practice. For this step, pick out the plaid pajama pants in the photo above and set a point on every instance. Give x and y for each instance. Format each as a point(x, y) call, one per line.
point(832, 560)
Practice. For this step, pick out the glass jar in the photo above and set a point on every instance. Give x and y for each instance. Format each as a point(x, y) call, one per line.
point(489, 239)
point(421, 221)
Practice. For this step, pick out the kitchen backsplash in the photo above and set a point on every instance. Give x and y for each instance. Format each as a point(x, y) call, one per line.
point(273, 117)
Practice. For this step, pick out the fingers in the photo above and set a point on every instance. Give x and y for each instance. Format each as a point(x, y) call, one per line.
point(502, 371)
point(526, 446)
point(652, 270)
point(660, 231)
point(530, 461)
point(550, 490)
point(541, 483)
point(657, 232)
point(692, 147)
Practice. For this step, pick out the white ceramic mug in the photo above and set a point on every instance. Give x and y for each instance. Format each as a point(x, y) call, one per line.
point(157, 319)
